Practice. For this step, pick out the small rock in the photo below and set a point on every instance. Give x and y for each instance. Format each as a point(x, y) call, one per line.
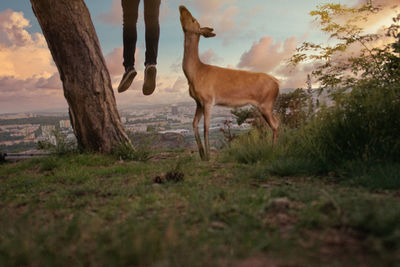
point(217, 225)
point(280, 204)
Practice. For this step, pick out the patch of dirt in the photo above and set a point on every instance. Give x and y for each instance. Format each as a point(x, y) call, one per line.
point(278, 215)
point(338, 245)
point(257, 261)
point(164, 156)
point(261, 260)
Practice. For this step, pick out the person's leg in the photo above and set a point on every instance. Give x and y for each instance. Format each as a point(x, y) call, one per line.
point(151, 15)
point(151, 19)
point(130, 15)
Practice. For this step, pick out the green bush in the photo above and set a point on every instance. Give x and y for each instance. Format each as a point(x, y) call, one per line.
point(251, 147)
point(374, 176)
point(364, 126)
point(127, 152)
point(358, 140)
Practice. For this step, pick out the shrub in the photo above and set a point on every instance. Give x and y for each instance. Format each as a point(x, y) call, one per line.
point(127, 152)
point(364, 126)
point(251, 147)
point(358, 139)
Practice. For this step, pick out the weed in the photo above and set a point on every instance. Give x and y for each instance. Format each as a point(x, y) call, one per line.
point(49, 163)
point(373, 175)
point(127, 152)
point(251, 147)
point(294, 166)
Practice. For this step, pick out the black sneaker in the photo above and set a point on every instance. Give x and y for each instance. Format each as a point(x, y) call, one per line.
point(127, 79)
point(149, 84)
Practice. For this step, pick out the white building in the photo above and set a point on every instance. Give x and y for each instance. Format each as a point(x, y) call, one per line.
point(65, 123)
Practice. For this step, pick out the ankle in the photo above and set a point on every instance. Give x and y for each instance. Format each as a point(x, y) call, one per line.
point(129, 68)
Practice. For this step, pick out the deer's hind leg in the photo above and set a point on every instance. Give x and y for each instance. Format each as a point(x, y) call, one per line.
point(266, 111)
point(207, 115)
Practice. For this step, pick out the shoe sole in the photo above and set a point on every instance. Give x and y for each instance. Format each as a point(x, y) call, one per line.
point(149, 84)
point(126, 82)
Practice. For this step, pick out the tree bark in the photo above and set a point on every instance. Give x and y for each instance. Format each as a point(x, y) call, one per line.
point(73, 42)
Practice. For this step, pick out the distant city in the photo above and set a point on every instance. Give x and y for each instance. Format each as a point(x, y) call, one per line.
point(23, 131)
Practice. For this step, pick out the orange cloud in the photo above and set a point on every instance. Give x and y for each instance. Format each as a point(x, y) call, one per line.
point(388, 8)
point(221, 15)
point(22, 55)
point(28, 77)
point(272, 57)
point(265, 55)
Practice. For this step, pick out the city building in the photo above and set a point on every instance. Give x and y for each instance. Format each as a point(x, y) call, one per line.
point(65, 123)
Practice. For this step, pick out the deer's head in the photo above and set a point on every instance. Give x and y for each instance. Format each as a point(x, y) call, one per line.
point(191, 25)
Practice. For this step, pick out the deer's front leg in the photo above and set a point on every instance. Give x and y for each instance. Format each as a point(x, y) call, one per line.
point(207, 114)
point(197, 117)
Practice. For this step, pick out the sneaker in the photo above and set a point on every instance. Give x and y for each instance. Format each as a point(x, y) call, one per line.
point(149, 79)
point(127, 79)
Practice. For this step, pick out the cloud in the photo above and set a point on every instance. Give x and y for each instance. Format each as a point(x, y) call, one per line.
point(28, 76)
point(388, 8)
point(294, 77)
point(265, 55)
point(177, 65)
point(180, 86)
point(22, 55)
point(272, 57)
point(222, 15)
point(18, 95)
point(114, 61)
point(114, 15)
point(12, 28)
point(369, 21)
point(210, 57)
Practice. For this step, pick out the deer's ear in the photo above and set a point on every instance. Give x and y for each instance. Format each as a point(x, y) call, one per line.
point(207, 32)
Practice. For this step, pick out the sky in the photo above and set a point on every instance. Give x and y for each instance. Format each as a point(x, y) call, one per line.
point(255, 35)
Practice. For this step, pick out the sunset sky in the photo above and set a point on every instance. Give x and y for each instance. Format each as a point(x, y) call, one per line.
point(257, 35)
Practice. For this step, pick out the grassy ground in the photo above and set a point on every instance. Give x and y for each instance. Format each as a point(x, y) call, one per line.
point(94, 210)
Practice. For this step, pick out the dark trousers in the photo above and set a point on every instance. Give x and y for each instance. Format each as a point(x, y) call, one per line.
point(130, 16)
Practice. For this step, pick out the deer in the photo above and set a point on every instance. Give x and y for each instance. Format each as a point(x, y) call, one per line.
point(211, 85)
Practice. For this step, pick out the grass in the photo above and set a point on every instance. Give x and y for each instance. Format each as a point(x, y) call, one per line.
point(97, 210)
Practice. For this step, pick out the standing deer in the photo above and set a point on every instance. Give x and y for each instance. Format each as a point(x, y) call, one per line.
point(211, 85)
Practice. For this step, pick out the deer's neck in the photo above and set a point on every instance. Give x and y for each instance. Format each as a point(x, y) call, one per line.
point(191, 61)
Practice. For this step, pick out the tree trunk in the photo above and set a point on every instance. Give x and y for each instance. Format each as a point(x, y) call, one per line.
point(72, 40)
